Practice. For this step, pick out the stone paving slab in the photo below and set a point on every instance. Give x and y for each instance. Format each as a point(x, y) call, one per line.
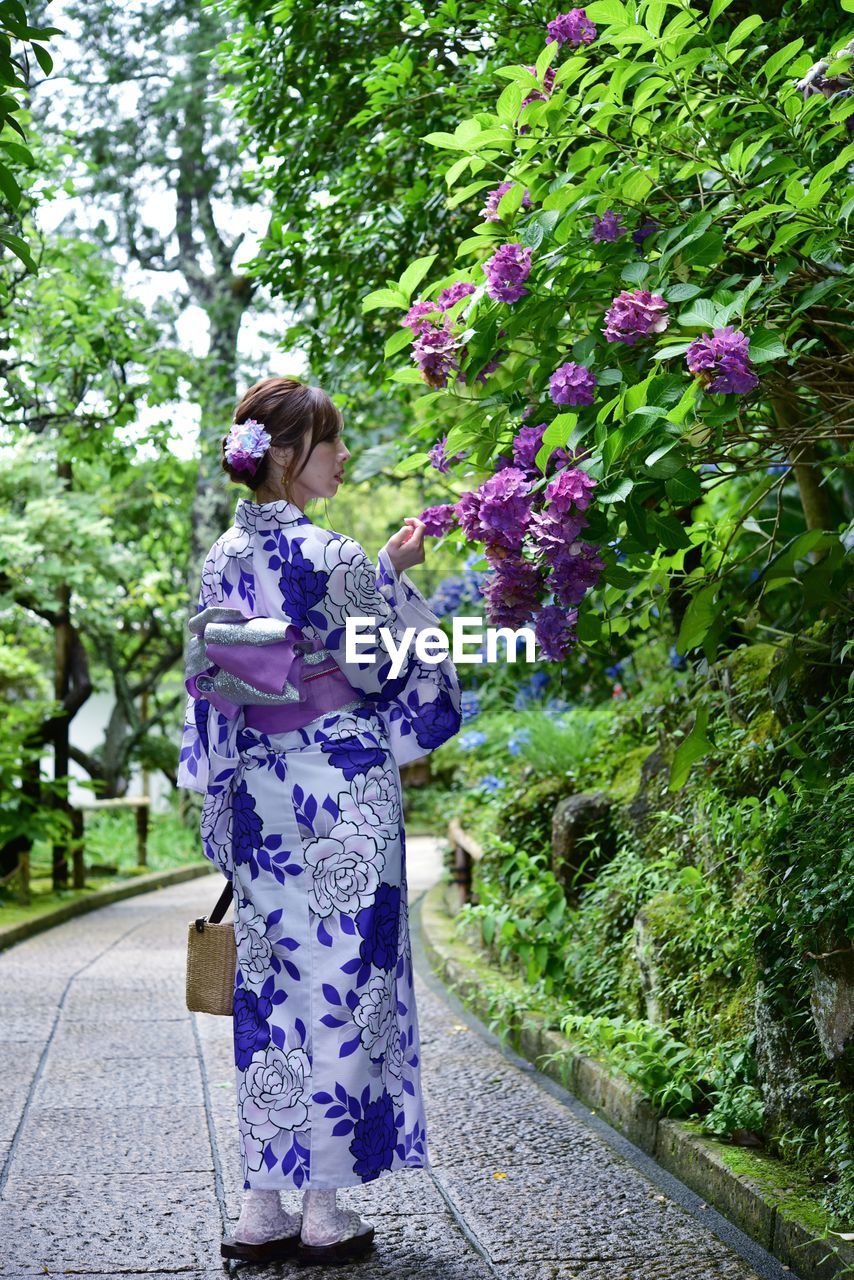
point(113, 1173)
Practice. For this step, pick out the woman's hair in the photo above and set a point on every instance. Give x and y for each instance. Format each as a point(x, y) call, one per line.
point(290, 411)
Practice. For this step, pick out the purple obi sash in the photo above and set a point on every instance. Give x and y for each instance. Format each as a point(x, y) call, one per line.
point(321, 691)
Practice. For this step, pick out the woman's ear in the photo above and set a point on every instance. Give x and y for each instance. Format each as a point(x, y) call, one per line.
point(281, 455)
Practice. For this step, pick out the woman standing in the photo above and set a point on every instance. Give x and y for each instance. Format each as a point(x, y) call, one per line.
point(296, 750)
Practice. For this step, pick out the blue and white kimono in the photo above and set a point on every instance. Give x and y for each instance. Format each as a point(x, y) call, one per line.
point(307, 824)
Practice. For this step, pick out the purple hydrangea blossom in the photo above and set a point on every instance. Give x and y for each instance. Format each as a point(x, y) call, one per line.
point(527, 445)
point(575, 570)
point(570, 488)
point(489, 212)
point(537, 95)
point(635, 314)
point(553, 531)
point(506, 271)
point(554, 628)
point(245, 445)
point(434, 351)
point(467, 509)
point(573, 28)
point(572, 384)
point(415, 316)
point(453, 293)
point(504, 508)
point(512, 591)
point(722, 360)
point(645, 229)
point(608, 228)
point(439, 458)
point(439, 519)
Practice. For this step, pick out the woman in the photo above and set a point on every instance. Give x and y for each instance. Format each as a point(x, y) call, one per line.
point(296, 750)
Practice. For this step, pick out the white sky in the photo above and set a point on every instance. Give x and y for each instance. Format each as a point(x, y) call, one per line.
point(257, 353)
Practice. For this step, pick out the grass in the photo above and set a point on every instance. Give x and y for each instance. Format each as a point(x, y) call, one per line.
point(110, 842)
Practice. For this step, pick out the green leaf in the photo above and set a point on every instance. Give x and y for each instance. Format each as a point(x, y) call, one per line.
point(20, 249)
point(414, 274)
point(9, 187)
point(764, 345)
point(681, 292)
point(700, 616)
point(684, 487)
point(398, 341)
point(555, 436)
point(743, 30)
point(385, 298)
point(783, 56)
point(690, 750)
point(618, 493)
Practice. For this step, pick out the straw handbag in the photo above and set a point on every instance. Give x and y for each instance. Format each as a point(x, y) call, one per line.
point(212, 960)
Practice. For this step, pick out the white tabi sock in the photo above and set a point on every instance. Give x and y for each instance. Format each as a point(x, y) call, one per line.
point(325, 1222)
point(263, 1218)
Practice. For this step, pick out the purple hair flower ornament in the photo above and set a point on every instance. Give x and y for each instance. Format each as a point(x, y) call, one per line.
point(245, 444)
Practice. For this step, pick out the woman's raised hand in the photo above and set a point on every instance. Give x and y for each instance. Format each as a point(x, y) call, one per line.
point(406, 547)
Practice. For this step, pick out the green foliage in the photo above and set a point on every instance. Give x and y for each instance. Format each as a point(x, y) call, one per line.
point(17, 38)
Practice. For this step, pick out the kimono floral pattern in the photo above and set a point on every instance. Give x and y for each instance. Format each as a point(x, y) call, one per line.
point(307, 824)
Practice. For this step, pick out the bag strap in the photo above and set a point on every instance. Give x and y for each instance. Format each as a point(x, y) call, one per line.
point(222, 903)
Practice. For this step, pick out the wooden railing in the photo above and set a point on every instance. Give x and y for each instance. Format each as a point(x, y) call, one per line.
point(466, 851)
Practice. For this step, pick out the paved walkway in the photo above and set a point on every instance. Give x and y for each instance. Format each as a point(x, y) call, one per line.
point(118, 1144)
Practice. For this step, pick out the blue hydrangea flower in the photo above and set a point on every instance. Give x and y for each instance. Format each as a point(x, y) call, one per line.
point(469, 704)
point(490, 782)
point(474, 738)
point(677, 660)
point(515, 741)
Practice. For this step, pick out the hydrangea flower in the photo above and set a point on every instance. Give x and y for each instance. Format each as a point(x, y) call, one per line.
point(453, 293)
point(575, 571)
point(634, 314)
point(245, 445)
point(504, 508)
point(552, 533)
point(415, 316)
point(569, 488)
point(516, 740)
point(555, 631)
point(645, 229)
point(608, 228)
point(573, 28)
point(469, 705)
point(527, 445)
point(491, 783)
point(434, 351)
point(572, 383)
point(512, 592)
point(439, 458)
point(489, 212)
point(474, 738)
point(722, 360)
point(506, 271)
point(439, 519)
point(539, 95)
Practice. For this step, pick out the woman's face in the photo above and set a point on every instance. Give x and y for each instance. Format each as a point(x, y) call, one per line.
point(322, 473)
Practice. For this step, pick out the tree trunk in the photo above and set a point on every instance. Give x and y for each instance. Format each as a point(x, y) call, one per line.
point(63, 640)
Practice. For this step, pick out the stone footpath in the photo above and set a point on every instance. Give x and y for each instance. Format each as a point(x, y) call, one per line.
point(118, 1134)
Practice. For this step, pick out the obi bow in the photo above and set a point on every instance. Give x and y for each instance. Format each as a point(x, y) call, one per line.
point(235, 661)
